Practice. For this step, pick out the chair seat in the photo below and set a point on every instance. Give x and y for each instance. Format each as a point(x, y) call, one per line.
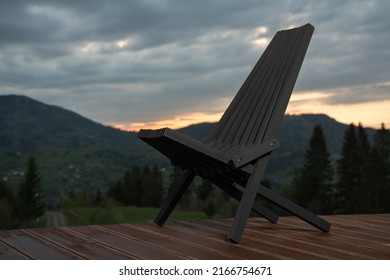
point(190, 154)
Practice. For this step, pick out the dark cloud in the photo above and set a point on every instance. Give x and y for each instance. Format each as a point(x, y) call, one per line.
point(139, 61)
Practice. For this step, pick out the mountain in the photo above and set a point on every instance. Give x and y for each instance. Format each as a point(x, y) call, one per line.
point(75, 152)
point(27, 125)
point(71, 151)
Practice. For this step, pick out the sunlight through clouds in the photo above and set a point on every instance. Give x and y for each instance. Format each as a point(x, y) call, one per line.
point(258, 38)
point(122, 43)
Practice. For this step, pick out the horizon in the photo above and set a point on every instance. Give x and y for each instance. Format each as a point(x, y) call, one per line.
point(196, 121)
point(370, 120)
point(162, 124)
point(147, 64)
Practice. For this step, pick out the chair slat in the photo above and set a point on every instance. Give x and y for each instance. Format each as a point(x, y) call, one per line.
point(251, 112)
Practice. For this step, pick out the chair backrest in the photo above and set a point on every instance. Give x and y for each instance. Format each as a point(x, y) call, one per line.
point(257, 110)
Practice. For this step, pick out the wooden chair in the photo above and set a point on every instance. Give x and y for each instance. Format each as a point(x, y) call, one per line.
point(235, 155)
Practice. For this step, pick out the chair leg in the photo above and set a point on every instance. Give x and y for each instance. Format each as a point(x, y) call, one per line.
point(173, 199)
point(246, 203)
point(237, 194)
point(295, 209)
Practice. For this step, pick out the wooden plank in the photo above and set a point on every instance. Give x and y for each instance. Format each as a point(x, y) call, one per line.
point(212, 241)
point(295, 249)
point(9, 253)
point(260, 249)
point(77, 244)
point(267, 91)
point(379, 218)
point(159, 239)
point(304, 37)
point(327, 244)
point(364, 226)
point(348, 228)
point(35, 248)
point(351, 240)
point(129, 244)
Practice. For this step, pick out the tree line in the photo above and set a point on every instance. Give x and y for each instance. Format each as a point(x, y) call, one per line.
point(24, 207)
point(141, 188)
point(144, 187)
point(357, 182)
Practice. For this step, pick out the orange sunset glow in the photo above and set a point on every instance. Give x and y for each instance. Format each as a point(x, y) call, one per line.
point(370, 114)
point(175, 123)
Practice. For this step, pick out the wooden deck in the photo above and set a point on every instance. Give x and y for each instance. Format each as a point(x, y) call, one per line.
point(352, 237)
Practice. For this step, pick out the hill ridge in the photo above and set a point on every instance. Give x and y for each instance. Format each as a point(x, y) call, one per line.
point(29, 125)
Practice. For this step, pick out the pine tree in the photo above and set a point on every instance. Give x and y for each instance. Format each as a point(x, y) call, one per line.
point(120, 190)
point(6, 205)
point(186, 202)
point(116, 191)
point(152, 182)
point(350, 176)
point(139, 188)
point(204, 190)
point(29, 205)
point(126, 189)
point(363, 187)
point(97, 198)
point(378, 173)
point(136, 187)
point(5, 192)
point(312, 185)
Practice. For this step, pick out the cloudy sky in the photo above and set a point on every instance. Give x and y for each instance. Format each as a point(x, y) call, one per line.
point(153, 63)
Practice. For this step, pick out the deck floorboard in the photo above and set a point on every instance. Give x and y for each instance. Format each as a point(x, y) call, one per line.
point(351, 237)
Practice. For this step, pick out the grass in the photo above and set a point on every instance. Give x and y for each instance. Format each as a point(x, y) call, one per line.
point(116, 215)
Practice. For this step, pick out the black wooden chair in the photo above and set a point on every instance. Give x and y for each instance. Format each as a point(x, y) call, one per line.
point(235, 155)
